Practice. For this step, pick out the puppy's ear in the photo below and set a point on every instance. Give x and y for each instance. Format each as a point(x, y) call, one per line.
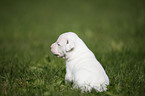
point(69, 45)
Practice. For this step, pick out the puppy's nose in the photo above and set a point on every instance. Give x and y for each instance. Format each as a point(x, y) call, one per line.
point(51, 46)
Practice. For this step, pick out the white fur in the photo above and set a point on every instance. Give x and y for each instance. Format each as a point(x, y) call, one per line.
point(82, 68)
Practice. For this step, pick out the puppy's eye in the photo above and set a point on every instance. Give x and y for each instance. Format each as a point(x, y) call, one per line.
point(58, 44)
point(67, 42)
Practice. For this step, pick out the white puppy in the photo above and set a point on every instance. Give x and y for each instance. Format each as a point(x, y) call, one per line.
point(82, 68)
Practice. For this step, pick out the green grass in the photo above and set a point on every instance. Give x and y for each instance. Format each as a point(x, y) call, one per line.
point(28, 28)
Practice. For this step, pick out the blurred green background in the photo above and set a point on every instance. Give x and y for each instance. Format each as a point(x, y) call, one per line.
point(113, 29)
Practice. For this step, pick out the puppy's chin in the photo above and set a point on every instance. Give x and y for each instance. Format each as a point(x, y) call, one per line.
point(63, 57)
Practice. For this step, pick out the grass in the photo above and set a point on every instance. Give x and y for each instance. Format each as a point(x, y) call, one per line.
point(28, 28)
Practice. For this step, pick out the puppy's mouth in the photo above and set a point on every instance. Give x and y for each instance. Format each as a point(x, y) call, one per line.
point(59, 56)
point(56, 55)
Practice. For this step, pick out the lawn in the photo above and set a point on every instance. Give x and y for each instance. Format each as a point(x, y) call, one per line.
point(113, 29)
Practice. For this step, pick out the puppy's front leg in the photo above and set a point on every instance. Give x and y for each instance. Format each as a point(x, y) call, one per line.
point(68, 78)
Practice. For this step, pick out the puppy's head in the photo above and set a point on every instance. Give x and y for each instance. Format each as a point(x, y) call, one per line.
point(64, 44)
